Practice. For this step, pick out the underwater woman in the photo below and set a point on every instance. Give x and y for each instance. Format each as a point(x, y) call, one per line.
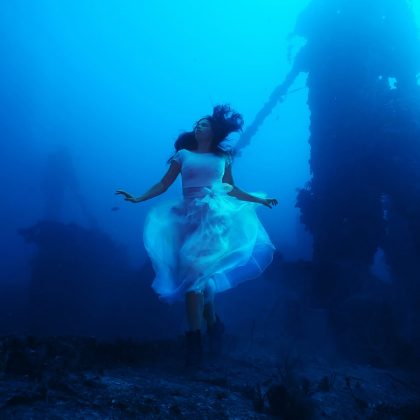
point(210, 240)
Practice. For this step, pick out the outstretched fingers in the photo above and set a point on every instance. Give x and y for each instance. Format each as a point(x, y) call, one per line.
point(126, 195)
point(270, 202)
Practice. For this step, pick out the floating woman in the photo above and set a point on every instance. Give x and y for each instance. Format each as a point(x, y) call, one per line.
point(212, 239)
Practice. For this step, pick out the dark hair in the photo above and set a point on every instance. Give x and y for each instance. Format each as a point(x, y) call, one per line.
point(223, 121)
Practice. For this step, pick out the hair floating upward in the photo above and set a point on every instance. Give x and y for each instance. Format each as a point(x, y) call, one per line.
point(225, 121)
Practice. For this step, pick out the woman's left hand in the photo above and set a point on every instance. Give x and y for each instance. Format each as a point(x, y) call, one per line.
point(269, 202)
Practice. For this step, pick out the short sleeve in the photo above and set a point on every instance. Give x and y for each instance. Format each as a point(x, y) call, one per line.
point(177, 157)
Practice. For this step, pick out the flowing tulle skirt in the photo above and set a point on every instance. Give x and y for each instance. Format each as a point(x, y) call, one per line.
point(208, 236)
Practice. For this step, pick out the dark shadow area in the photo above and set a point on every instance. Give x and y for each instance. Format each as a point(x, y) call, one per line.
point(82, 284)
point(95, 339)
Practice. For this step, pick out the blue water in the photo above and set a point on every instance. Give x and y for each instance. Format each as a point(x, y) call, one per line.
point(112, 85)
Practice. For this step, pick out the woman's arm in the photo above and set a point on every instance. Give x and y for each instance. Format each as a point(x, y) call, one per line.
point(242, 195)
point(157, 189)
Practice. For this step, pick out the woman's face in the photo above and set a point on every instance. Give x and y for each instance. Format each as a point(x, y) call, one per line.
point(203, 132)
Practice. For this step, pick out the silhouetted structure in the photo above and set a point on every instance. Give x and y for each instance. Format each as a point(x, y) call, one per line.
point(82, 284)
point(364, 139)
point(70, 274)
point(362, 60)
point(60, 179)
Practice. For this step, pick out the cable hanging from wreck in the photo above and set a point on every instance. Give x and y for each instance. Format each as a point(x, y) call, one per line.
point(276, 96)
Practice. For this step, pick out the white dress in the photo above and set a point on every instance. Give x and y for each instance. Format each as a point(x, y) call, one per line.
point(207, 236)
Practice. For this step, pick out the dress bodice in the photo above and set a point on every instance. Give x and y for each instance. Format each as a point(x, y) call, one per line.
point(200, 169)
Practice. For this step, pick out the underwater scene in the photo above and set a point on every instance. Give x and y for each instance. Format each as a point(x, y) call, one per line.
point(211, 210)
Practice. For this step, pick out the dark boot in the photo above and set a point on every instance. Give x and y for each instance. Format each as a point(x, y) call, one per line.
point(194, 350)
point(215, 334)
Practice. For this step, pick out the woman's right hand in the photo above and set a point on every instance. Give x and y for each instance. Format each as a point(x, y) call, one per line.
point(127, 196)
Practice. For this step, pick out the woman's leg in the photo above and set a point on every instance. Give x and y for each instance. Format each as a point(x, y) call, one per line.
point(215, 327)
point(194, 305)
point(208, 312)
